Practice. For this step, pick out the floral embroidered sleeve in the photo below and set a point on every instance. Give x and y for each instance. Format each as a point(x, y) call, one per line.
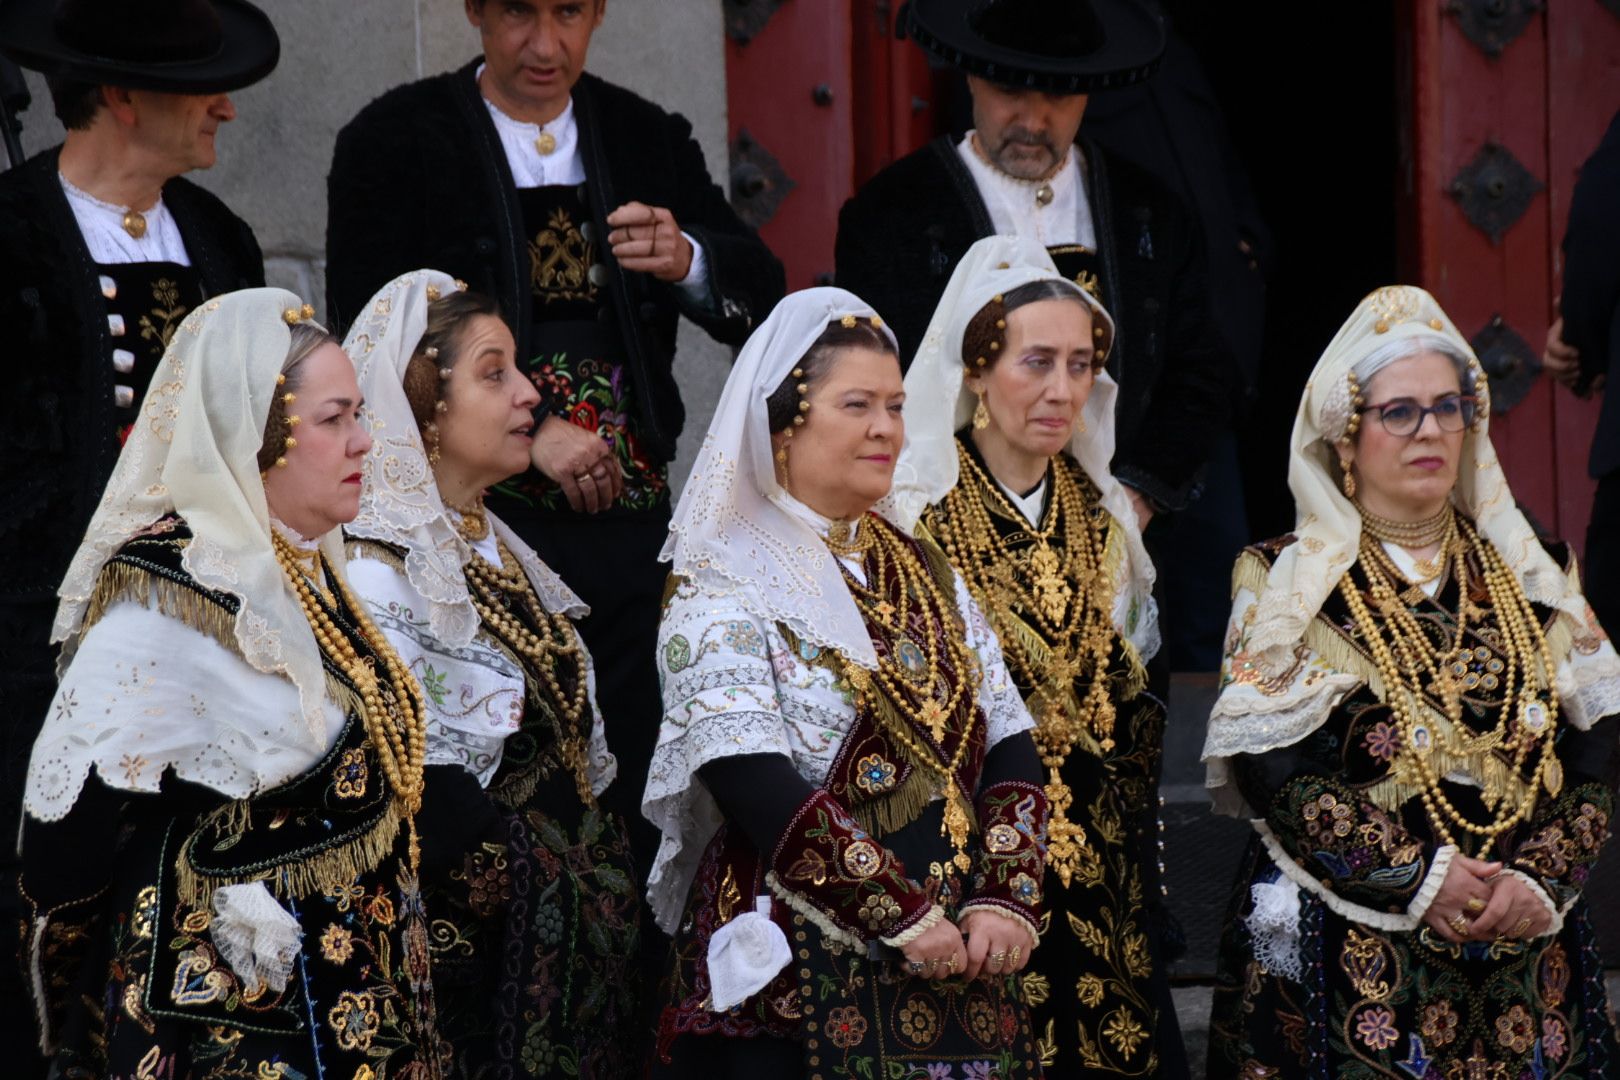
point(827, 868)
point(1562, 839)
point(1362, 861)
point(1012, 856)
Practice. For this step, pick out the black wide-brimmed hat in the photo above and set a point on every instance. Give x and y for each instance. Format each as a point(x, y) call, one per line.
point(1056, 46)
point(181, 46)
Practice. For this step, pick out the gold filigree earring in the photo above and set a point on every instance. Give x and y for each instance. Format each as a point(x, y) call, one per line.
point(430, 441)
point(1349, 483)
point(981, 415)
point(1080, 427)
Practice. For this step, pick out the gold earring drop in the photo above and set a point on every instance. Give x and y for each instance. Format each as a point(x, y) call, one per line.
point(1349, 483)
point(1080, 429)
point(981, 415)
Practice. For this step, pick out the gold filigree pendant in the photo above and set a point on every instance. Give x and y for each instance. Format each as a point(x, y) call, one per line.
point(955, 825)
point(1051, 588)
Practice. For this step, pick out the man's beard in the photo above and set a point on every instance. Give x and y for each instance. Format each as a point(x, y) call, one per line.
point(1013, 156)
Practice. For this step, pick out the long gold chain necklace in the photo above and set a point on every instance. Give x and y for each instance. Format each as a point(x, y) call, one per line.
point(494, 589)
point(1409, 534)
point(391, 707)
point(1407, 661)
point(906, 672)
point(1079, 637)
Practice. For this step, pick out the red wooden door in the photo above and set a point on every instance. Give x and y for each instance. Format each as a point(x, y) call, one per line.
point(1500, 118)
point(821, 96)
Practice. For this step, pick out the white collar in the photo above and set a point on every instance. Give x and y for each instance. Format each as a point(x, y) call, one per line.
point(101, 223)
point(1012, 207)
point(820, 524)
point(1032, 506)
point(521, 141)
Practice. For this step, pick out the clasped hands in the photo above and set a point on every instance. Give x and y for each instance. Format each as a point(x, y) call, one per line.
point(985, 944)
point(1478, 902)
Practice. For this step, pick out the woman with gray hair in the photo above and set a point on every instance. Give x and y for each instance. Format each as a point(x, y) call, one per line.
point(1416, 715)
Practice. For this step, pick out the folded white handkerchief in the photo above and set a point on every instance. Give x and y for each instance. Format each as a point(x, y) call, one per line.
point(745, 955)
point(256, 936)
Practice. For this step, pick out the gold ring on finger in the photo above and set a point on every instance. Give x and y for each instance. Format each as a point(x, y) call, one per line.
point(1459, 922)
point(1520, 927)
point(1475, 906)
point(1017, 951)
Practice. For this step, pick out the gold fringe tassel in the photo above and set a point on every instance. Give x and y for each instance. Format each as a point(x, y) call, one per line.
point(119, 582)
point(321, 872)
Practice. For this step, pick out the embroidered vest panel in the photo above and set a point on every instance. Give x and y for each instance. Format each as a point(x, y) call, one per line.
point(578, 361)
point(146, 302)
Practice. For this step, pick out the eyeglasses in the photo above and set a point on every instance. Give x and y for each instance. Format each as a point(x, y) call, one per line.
point(1403, 416)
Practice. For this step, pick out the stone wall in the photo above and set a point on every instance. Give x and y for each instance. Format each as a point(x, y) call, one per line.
point(336, 57)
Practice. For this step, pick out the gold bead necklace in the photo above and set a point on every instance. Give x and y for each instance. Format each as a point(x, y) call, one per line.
point(892, 568)
point(495, 590)
point(1079, 633)
point(391, 707)
point(1527, 722)
point(1408, 534)
point(473, 523)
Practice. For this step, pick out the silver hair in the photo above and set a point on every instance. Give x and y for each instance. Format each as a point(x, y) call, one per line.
point(1402, 348)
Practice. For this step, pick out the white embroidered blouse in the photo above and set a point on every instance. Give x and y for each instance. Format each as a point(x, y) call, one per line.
point(733, 684)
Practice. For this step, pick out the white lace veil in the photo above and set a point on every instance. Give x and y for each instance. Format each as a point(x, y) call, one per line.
point(728, 531)
point(938, 405)
point(194, 451)
point(399, 500)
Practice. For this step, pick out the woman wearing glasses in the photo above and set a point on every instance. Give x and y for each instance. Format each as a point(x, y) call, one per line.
point(1415, 714)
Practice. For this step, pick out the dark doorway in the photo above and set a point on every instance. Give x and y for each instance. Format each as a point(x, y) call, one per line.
point(1314, 112)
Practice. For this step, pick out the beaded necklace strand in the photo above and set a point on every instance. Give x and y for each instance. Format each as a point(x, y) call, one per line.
point(495, 591)
point(892, 568)
point(391, 706)
point(1078, 631)
point(1408, 662)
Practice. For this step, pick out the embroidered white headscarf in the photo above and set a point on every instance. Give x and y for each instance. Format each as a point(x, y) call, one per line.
point(939, 404)
point(399, 501)
point(194, 451)
point(729, 530)
point(474, 691)
point(1295, 689)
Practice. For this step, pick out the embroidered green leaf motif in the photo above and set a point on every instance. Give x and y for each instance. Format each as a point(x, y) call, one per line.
point(433, 684)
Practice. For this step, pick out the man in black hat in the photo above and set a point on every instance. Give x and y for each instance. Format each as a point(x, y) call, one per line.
point(589, 214)
point(1030, 65)
point(107, 249)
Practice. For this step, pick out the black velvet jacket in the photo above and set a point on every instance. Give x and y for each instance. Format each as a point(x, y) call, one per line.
point(58, 434)
point(903, 233)
point(419, 179)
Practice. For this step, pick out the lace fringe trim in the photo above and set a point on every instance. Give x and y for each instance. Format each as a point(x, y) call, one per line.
point(828, 928)
point(1557, 913)
point(996, 907)
point(1403, 922)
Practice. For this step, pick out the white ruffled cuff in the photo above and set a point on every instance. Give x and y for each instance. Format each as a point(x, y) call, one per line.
point(1397, 921)
point(1005, 913)
point(1557, 925)
point(930, 919)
